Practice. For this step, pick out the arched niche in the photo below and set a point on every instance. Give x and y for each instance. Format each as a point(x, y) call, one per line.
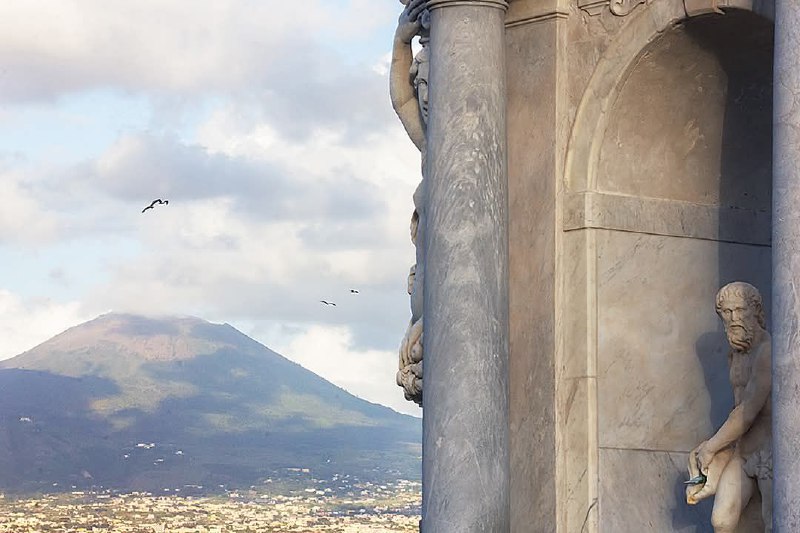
point(647, 27)
point(692, 120)
point(669, 162)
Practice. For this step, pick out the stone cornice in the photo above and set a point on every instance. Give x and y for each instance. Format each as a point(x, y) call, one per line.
point(437, 4)
point(655, 216)
point(531, 11)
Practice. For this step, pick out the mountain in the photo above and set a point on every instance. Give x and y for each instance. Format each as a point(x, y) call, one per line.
point(140, 403)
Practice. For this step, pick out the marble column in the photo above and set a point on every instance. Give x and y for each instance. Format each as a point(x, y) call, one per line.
point(465, 468)
point(786, 268)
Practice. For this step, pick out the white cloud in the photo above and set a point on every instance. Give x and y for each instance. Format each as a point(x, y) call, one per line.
point(382, 67)
point(369, 374)
point(26, 322)
point(23, 219)
point(144, 166)
point(172, 45)
point(387, 160)
point(297, 66)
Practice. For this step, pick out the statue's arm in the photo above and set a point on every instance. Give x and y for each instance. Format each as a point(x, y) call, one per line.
point(404, 100)
point(755, 396)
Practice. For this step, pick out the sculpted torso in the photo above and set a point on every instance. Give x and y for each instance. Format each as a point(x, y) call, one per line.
point(741, 374)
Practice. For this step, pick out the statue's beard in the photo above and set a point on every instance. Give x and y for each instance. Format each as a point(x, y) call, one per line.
point(740, 337)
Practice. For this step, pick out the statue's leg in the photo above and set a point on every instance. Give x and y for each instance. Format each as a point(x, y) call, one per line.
point(733, 492)
point(765, 488)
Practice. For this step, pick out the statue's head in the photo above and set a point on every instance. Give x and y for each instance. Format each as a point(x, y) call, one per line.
point(741, 309)
point(418, 74)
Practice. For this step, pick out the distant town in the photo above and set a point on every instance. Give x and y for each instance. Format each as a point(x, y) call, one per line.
point(297, 502)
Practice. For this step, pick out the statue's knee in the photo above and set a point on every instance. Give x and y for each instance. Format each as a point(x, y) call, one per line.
point(724, 518)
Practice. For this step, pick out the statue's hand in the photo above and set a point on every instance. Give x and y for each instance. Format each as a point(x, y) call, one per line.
point(409, 23)
point(704, 457)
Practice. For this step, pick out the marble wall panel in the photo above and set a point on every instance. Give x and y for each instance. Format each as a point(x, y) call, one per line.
point(578, 451)
point(576, 386)
point(643, 491)
point(662, 357)
point(532, 180)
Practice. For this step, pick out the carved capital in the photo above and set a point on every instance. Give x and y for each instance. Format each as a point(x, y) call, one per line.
point(623, 7)
point(498, 4)
point(593, 7)
point(620, 8)
point(702, 7)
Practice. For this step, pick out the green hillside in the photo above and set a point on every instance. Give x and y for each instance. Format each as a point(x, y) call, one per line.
point(132, 402)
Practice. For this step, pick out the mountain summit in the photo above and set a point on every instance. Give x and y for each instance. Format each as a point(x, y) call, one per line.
point(134, 402)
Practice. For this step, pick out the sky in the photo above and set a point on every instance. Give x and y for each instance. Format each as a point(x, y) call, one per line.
point(266, 124)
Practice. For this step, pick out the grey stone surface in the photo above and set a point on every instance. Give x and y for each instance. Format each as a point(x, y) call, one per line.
point(643, 490)
point(465, 425)
point(531, 53)
point(662, 367)
point(786, 267)
point(675, 218)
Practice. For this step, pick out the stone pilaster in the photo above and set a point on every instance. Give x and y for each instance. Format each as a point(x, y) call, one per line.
point(465, 436)
point(786, 268)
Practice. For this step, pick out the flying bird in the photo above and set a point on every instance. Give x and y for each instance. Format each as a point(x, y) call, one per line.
point(353, 291)
point(328, 303)
point(154, 202)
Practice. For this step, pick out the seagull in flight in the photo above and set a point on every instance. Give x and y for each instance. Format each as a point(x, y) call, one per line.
point(328, 303)
point(353, 291)
point(154, 202)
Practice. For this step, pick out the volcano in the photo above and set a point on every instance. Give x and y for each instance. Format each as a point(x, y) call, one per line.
point(131, 402)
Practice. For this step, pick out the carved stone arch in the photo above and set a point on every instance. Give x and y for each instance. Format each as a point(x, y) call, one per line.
point(644, 26)
point(654, 225)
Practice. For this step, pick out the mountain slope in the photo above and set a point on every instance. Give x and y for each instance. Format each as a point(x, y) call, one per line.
point(219, 408)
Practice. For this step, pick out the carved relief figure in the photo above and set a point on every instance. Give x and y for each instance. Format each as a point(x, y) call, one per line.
point(737, 459)
point(408, 87)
